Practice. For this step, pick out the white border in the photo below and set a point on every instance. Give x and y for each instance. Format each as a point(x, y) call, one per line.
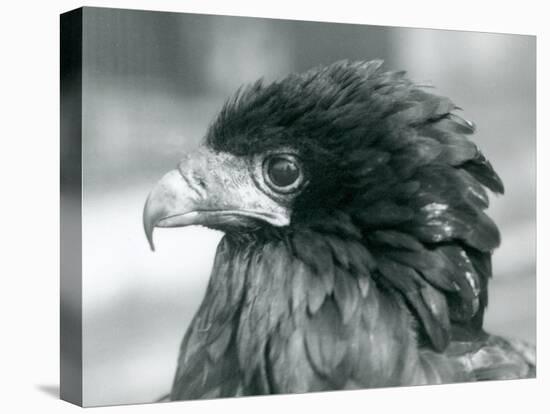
point(29, 160)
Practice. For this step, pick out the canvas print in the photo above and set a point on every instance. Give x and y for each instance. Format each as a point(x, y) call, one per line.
point(259, 206)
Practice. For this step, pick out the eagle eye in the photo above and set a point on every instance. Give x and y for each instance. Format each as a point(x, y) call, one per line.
point(283, 173)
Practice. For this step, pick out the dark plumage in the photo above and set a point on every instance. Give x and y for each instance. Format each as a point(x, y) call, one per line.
point(370, 269)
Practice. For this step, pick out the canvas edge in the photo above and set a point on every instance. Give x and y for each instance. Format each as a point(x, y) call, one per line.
point(71, 24)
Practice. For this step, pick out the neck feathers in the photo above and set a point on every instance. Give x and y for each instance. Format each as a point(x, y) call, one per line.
point(305, 314)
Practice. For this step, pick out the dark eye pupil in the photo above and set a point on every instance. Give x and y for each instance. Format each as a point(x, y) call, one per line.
point(283, 172)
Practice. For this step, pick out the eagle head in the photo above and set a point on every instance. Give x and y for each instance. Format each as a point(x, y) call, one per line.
point(356, 165)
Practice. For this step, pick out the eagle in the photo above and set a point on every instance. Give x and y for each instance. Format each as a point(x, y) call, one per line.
point(356, 249)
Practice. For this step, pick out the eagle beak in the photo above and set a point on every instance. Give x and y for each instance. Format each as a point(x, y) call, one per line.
point(210, 189)
point(168, 205)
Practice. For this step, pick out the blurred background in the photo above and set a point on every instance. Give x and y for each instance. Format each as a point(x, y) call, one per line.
point(153, 81)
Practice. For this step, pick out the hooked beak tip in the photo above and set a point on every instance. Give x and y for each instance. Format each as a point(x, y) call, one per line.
point(149, 224)
point(151, 244)
point(149, 228)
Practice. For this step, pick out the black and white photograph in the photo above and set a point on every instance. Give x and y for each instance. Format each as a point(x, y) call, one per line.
point(358, 209)
point(265, 208)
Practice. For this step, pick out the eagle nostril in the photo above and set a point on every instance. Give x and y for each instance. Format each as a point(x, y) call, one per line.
point(200, 181)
